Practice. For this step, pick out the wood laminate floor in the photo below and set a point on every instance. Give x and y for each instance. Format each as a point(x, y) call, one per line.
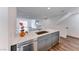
point(68, 44)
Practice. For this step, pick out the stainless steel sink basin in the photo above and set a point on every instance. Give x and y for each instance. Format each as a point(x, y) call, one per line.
point(41, 32)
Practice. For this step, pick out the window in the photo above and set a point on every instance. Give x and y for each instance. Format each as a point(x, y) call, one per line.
point(29, 24)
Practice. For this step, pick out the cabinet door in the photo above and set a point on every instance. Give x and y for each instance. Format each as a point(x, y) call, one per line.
point(47, 41)
point(43, 43)
point(54, 38)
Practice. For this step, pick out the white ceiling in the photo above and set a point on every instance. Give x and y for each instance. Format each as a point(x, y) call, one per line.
point(40, 12)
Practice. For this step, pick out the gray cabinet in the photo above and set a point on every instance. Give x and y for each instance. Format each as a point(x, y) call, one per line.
point(47, 41)
point(43, 43)
point(23, 46)
point(28, 47)
point(54, 38)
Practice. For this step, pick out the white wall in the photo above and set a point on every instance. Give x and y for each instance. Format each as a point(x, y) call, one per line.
point(11, 24)
point(49, 23)
point(62, 28)
point(72, 22)
point(73, 25)
point(7, 27)
point(3, 28)
point(52, 24)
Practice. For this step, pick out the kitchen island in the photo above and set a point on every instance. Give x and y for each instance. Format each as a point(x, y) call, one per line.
point(40, 42)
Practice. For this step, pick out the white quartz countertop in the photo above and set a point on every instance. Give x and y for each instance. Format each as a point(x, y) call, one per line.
point(32, 36)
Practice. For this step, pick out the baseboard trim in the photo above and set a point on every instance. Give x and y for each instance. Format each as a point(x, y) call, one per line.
point(62, 37)
point(72, 37)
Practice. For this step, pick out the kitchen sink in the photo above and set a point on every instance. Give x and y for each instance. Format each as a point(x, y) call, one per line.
point(41, 32)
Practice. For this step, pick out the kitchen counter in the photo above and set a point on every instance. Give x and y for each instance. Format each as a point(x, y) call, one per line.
point(32, 36)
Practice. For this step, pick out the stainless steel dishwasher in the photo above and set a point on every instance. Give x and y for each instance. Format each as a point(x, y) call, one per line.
point(23, 46)
point(26, 46)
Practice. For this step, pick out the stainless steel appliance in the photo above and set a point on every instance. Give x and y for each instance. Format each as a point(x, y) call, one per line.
point(23, 46)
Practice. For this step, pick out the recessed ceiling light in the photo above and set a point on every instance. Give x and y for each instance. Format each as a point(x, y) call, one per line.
point(49, 8)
